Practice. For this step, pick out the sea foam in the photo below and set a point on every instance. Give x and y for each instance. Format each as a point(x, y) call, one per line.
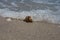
point(37, 15)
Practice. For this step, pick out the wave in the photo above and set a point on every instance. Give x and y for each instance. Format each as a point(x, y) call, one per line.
point(37, 15)
point(40, 10)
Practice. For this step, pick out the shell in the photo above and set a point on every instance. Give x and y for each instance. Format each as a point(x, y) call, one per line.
point(28, 19)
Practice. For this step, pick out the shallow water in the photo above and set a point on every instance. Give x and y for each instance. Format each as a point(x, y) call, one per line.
point(40, 10)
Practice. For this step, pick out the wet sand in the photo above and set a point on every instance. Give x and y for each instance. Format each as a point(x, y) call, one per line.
point(19, 30)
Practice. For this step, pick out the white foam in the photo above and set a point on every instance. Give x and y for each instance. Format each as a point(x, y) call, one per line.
point(37, 15)
point(8, 19)
point(42, 1)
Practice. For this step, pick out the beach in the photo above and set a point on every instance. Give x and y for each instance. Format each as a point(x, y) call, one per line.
point(19, 30)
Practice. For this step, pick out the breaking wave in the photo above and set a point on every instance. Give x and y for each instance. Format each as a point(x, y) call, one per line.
point(37, 15)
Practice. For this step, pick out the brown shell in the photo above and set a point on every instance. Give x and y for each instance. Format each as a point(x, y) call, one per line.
point(28, 19)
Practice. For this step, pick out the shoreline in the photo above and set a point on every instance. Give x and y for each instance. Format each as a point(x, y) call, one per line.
point(21, 20)
point(17, 19)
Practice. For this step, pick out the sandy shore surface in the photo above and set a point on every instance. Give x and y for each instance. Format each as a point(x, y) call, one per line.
point(19, 30)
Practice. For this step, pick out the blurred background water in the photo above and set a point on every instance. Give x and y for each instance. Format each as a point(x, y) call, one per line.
point(40, 10)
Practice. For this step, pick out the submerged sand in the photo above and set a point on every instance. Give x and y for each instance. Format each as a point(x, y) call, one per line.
point(19, 30)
